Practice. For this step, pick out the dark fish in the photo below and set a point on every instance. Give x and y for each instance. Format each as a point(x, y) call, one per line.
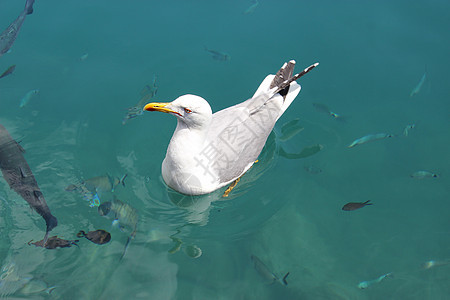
point(147, 93)
point(268, 276)
point(217, 55)
point(18, 175)
point(99, 236)
point(54, 242)
point(8, 71)
point(355, 205)
point(93, 188)
point(123, 214)
point(9, 35)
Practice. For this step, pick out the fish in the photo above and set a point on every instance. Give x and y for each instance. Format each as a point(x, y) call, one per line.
point(147, 93)
point(369, 138)
point(105, 183)
point(268, 276)
point(217, 55)
point(418, 87)
point(9, 35)
point(8, 71)
point(433, 263)
point(251, 8)
point(366, 284)
point(123, 214)
point(84, 56)
point(99, 236)
point(324, 109)
point(94, 187)
point(408, 128)
point(312, 169)
point(423, 174)
point(18, 175)
point(355, 205)
point(27, 98)
point(54, 242)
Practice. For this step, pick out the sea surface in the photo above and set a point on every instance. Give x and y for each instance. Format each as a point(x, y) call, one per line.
point(90, 60)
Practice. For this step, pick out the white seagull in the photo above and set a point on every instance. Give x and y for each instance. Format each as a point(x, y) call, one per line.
point(209, 151)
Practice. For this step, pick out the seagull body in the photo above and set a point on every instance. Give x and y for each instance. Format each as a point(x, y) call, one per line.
point(209, 151)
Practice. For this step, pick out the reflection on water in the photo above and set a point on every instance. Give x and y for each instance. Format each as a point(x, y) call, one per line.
point(287, 212)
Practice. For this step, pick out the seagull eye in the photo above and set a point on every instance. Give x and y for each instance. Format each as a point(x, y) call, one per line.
point(187, 110)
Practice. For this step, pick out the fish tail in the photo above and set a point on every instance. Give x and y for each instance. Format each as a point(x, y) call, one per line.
point(122, 180)
point(125, 248)
point(81, 234)
point(29, 6)
point(284, 278)
point(368, 202)
point(50, 290)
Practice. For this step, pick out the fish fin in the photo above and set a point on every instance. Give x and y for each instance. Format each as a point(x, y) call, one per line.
point(122, 180)
point(284, 279)
point(49, 290)
point(20, 146)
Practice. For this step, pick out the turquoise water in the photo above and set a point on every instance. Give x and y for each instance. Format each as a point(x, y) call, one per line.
point(372, 55)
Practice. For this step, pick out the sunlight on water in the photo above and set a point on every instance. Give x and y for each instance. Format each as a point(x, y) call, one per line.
point(381, 88)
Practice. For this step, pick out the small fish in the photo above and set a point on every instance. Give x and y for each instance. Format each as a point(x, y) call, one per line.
point(369, 138)
point(217, 55)
point(312, 169)
point(105, 183)
point(28, 97)
point(84, 56)
point(366, 284)
point(123, 214)
point(9, 35)
point(324, 109)
point(355, 205)
point(147, 93)
point(251, 8)
point(408, 128)
point(99, 236)
point(54, 242)
point(268, 276)
point(424, 174)
point(418, 87)
point(8, 71)
point(433, 263)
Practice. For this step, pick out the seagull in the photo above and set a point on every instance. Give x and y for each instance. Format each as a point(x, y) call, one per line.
point(211, 150)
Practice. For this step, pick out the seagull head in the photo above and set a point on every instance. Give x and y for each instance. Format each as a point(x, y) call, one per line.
point(193, 111)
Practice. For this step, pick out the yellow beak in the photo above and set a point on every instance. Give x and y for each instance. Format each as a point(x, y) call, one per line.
point(155, 106)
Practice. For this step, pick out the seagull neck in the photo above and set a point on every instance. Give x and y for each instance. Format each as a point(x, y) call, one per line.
point(188, 139)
